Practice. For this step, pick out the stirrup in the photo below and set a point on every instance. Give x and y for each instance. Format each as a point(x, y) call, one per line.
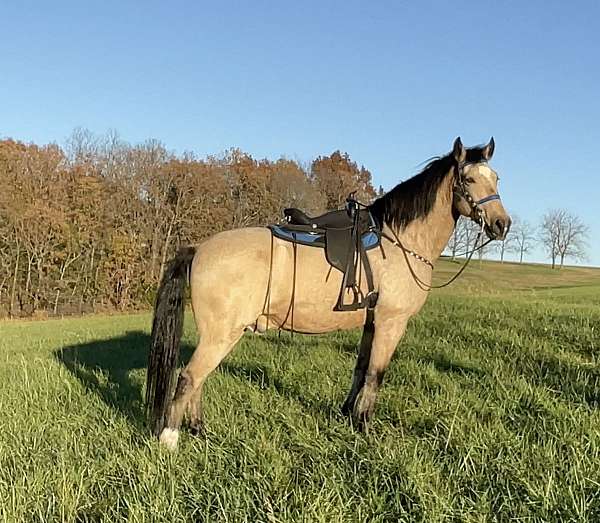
point(358, 300)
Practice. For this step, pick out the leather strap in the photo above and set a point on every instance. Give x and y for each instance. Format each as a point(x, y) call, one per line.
point(489, 198)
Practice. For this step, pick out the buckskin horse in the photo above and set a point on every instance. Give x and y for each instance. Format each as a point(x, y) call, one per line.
point(235, 273)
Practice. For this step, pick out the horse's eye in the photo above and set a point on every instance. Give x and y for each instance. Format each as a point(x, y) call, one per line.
point(468, 179)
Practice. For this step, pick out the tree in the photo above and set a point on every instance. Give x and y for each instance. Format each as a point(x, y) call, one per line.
point(482, 244)
point(459, 241)
point(506, 245)
point(291, 187)
point(523, 237)
point(563, 235)
point(465, 238)
point(336, 176)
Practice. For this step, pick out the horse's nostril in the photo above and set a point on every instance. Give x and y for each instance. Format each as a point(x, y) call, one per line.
point(499, 225)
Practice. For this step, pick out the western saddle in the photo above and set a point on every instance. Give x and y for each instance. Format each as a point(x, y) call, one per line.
point(345, 235)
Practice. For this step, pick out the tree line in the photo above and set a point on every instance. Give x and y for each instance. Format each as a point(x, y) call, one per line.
point(91, 225)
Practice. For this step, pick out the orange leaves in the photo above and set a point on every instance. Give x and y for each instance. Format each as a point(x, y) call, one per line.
point(95, 227)
point(336, 176)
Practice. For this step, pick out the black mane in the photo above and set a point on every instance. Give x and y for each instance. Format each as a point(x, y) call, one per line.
point(415, 197)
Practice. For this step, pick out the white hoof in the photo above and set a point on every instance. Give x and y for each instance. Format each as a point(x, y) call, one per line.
point(169, 437)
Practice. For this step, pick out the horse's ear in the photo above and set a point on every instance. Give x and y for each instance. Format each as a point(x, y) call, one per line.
point(488, 150)
point(459, 151)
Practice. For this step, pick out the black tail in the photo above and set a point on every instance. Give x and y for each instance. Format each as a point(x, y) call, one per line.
point(166, 335)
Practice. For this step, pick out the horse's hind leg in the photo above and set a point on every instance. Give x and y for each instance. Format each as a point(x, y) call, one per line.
point(205, 359)
point(194, 414)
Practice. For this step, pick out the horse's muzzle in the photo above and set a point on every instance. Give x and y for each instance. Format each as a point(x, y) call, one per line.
point(499, 228)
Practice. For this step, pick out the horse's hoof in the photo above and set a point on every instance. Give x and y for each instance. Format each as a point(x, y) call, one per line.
point(362, 413)
point(197, 429)
point(359, 422)
point(346, 409)
point(169, 437)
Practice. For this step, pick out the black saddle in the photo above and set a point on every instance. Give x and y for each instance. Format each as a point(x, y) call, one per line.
point(332, 219)
point(345, 235)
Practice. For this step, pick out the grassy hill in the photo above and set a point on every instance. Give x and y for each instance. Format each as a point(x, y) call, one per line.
point(489, 412)
point(492, 277)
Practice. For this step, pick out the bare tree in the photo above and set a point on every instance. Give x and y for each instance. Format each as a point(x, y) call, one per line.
point(509, 243)
point(464, 239)
point(506, 245)
point(563, 235)
point(523, 237)
point(82, 146)
point(482, 244)
point(459, 241)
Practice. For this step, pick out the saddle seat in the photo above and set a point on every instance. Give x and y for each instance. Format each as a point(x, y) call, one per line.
point(346, 235)
point(331, 219)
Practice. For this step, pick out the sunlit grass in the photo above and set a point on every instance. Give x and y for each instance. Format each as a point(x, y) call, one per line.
point(489, 412)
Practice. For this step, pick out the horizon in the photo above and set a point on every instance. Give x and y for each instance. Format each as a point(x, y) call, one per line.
point(386, 83)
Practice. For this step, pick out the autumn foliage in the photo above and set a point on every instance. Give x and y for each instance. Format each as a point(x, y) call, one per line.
point(90, 226)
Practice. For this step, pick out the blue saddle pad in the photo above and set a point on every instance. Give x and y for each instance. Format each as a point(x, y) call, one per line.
point(317, 239)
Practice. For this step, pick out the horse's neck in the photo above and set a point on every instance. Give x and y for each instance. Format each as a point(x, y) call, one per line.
point(429, 236)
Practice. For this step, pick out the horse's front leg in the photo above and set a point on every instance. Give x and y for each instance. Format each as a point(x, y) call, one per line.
point(362, 362)
point(387, 334)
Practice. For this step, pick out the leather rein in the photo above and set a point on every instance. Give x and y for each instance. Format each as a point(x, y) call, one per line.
point(477, 215)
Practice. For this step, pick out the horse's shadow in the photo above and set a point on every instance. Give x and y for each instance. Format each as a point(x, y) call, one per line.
point(111, 369)
point(108, 368)
point(114, 368)
point(265, 377)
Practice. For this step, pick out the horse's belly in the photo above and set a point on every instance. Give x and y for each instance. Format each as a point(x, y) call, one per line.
point(314, 294)
point(314, 319)
point(235, 282)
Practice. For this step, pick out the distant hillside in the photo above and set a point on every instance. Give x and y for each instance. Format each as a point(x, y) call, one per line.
point(498, 278)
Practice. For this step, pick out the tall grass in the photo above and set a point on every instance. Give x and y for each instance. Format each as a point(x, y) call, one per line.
point(489, 412)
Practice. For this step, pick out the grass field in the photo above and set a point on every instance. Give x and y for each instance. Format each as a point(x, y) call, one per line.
point(490, 412)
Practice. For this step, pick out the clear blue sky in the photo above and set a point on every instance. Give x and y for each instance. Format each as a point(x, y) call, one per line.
point(391, 83)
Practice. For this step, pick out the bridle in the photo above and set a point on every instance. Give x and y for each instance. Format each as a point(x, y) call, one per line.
point(477, 215)
point(460, 189)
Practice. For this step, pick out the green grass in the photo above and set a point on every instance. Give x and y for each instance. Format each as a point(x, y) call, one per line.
point(490, 412)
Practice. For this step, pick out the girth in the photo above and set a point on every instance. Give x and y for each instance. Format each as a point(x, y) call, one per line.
point(345, 236)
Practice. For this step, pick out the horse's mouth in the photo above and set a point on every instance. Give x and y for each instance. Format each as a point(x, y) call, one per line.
point(490, 233)
point(494, 233)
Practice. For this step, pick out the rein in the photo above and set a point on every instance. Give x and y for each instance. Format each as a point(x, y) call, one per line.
point(477, 216)
point(422, 284)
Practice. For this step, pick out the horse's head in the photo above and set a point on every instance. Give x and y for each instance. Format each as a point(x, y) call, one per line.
point(476, 189)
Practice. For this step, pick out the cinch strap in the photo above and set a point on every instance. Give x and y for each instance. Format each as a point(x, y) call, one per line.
point(488, 199)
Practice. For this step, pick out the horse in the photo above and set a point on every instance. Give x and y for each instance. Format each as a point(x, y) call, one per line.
point(234, 273)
